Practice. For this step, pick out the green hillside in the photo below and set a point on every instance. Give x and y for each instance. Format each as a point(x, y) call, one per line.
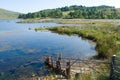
point(78, 12)
point(6, 14)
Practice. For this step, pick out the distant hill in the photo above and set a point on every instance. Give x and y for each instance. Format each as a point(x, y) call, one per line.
point(6, 14)
point(75, 11)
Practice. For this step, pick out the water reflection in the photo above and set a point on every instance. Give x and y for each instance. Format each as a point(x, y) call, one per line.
point(18, 45)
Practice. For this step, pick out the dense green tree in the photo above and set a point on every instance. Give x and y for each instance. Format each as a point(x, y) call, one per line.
point(66, 8)
point(82, 12)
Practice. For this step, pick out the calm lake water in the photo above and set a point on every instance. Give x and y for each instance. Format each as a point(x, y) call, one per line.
point(19, 45)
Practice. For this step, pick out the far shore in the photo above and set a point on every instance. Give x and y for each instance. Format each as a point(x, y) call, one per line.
point(70, 21)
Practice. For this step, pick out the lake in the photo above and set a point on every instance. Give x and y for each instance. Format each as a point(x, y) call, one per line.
point(19, 45)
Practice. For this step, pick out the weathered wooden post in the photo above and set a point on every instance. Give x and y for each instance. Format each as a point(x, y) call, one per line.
point(52, 62)
point(112, 67)
point(60, 57)
point(68, 70)
point(58, 65)
point(47, 62)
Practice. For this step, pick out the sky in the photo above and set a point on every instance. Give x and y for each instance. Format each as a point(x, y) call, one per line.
point(25, 6)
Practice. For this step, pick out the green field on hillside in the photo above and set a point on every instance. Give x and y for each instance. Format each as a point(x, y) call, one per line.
point(5, 14)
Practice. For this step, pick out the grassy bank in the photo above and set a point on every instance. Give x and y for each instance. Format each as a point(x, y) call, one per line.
point(106, 36)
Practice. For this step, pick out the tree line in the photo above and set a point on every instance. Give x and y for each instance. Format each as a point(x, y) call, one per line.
point(80, 12)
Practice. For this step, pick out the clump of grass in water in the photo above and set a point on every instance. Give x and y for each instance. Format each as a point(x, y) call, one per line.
point(104, 36)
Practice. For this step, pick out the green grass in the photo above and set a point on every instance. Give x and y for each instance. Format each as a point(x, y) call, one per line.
point(5, 14)
point(91, 76)
point(65, 13)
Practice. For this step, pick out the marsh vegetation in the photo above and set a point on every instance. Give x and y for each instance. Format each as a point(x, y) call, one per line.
point(105, 34)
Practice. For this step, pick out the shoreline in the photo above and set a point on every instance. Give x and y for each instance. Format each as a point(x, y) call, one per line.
point(70, 21)
point(104, 34)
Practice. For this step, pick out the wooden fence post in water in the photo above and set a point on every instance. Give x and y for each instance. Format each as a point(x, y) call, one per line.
point(58, 67)
point(68, 70)
point(112, 67)
point(52, 62)
point(47, 60)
